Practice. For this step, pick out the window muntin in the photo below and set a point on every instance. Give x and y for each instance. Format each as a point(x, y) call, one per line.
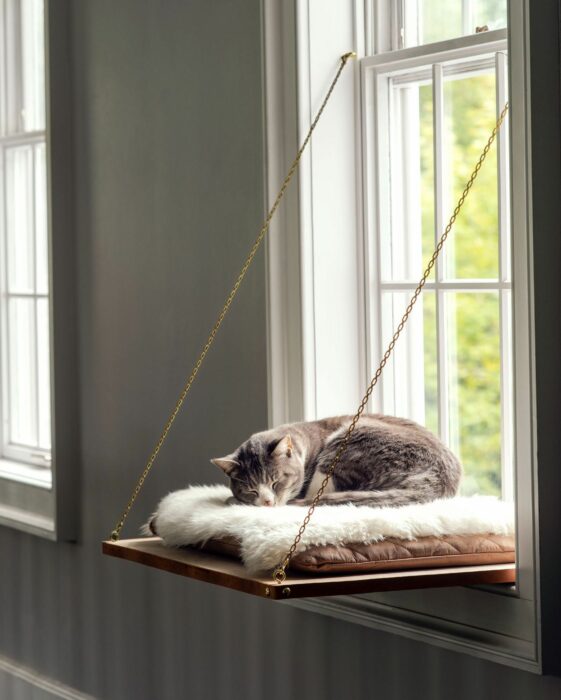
point(25, 385)
point(452, 370)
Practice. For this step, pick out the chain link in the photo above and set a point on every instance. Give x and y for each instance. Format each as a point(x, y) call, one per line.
point(279, 573)
point(116, 533)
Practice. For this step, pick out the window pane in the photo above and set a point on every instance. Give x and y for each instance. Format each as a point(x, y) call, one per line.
point(407, 230)
point(41, 236)
point(22, 63)
point(19, 219)
point(410, 377)
point(22, 371)
point(33, 65)
point(490, 13)
point(428, 21)
point(472, 342)
point(427, 172)
point(472, 251)
point(43, 375)
point(436, 22)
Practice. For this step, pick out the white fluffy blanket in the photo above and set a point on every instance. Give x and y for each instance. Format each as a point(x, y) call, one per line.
point(196, 514)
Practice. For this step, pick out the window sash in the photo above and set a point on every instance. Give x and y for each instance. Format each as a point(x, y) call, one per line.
point(397, 129)
point(34, 499)
point(22, 129)
point(415, 58)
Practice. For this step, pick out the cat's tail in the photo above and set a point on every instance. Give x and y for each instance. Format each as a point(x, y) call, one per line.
point(149, 528)
point(390, 498)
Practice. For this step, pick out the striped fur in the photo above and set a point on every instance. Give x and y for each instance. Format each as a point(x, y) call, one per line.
point(388, 461)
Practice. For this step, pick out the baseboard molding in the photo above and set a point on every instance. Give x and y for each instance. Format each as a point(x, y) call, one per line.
point(52, 689)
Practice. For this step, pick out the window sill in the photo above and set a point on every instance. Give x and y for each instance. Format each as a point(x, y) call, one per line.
point(26, 474)
point(25, 521)
point(27, 500)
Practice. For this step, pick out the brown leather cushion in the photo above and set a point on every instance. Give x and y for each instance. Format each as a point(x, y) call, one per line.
point(393, 554)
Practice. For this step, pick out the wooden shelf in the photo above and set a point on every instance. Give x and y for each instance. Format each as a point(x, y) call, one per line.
point(230, 573)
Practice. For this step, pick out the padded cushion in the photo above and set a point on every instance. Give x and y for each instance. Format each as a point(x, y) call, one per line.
point(202, 513)
point(392, 553)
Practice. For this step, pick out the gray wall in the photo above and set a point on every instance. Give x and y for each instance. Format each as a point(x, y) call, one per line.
point(168, 184)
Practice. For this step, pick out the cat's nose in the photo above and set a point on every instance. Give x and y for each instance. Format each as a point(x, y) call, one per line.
point(266, 496)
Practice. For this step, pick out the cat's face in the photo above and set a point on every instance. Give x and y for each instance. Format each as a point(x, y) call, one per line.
point(264, 472)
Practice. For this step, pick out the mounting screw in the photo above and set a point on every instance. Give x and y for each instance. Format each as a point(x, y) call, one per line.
point(267, 591)
point(286, 592)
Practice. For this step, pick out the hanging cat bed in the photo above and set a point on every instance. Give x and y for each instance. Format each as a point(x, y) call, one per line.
point(274, 553)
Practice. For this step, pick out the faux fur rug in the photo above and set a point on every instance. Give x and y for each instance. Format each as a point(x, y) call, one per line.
point(196, 514)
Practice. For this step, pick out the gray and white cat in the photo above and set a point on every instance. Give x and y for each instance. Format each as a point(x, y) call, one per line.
point(388, 462)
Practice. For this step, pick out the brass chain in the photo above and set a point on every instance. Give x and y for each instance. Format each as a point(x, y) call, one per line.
point(279, 573)
point(116, 533)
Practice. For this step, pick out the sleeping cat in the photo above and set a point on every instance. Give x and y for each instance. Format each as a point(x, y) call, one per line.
point(388, 462)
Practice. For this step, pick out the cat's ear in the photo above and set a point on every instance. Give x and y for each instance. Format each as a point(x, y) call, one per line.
point(225, 463)
point(284, 447)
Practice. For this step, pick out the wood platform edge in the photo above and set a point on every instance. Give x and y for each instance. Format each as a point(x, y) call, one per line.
point(229, 573)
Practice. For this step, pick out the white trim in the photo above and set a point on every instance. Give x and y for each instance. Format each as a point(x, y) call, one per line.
point(505, 273)
point(284, 341)
point(467, 17)
point(440, 300)
point(525, 413)
point(26, 473)
point(462, 285)
point(466, 618)
point(12, 139)
point(306, 222)
point(33, 678)
point(23, 138)
point(27, 521)
point(304, 390)
point(379, 27)
point(332, 277)
point(52, 512)
point(419, 56)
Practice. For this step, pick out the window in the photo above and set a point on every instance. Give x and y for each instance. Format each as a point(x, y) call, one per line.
point(24, 262)
point(39, 402)
point(451, 371)
point(400, 137)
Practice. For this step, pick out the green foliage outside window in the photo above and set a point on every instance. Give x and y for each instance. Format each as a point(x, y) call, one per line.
point(472, 317)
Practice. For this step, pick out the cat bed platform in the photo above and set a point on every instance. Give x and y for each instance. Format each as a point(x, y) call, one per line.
point(346, 548)
point(225, 571)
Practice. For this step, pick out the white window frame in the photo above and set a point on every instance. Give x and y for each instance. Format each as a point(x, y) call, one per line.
point(316, 253)
point(11, 451)
point(453, 57)
point(38, 500)
point(13, 135)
